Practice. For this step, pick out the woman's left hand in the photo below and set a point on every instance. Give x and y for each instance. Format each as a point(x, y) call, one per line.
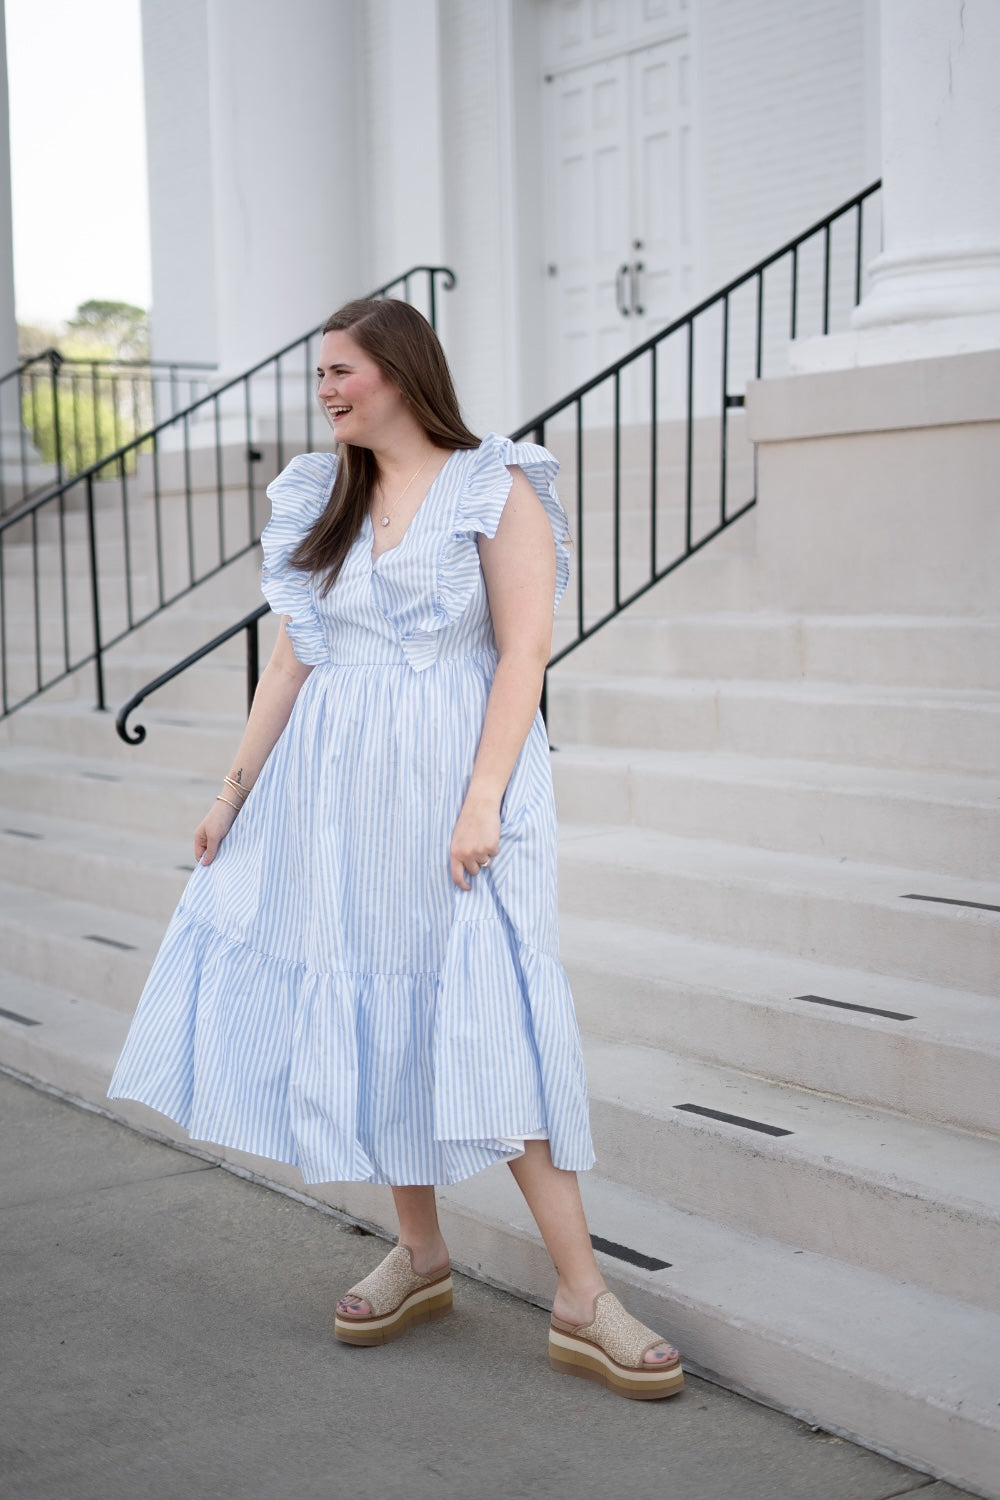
point(476, 838)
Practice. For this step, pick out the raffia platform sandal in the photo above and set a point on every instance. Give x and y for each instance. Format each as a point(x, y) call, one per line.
point(610, 1350)
point(398, 1298)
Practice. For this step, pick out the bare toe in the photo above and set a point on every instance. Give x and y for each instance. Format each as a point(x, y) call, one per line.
point(354, 1307)
point(660, 1355)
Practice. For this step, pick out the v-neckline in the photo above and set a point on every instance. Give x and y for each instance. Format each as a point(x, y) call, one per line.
point(376, 557)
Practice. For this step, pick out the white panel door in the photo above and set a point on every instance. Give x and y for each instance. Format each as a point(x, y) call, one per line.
point(589, 201)
point(617, 147)
point(661, 266)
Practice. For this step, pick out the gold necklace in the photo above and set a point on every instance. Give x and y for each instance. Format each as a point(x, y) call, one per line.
point(385, 519)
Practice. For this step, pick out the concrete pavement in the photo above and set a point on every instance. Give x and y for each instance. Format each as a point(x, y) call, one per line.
point(166, 1335)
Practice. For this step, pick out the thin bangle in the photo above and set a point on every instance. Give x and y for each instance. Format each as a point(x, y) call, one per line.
point(226, 800)
point(237, 786)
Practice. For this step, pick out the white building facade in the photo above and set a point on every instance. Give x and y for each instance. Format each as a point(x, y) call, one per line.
point(588, 168)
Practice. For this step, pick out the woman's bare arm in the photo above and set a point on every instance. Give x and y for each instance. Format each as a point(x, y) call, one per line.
point(273, 701)
point(519, 567)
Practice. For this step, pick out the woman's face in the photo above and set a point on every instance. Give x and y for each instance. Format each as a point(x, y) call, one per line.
point(360, 402)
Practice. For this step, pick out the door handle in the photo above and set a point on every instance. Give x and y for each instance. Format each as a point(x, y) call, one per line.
point(620, 303)
point(635, 270)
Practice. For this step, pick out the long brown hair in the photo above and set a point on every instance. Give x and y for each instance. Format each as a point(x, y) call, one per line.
point(407, 351)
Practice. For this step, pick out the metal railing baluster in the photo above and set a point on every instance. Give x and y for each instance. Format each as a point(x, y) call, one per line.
point(618, 488)
point(579, 514)
point(95, 593)
point(654, 457)
point(689, 442)
point(724, 412)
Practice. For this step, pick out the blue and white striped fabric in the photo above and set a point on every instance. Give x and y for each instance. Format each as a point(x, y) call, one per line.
point(324, 994)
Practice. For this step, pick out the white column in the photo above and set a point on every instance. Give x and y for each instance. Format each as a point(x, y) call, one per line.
point(404, 123)
point(285, 169)
point(252, 123)
point(935, 288)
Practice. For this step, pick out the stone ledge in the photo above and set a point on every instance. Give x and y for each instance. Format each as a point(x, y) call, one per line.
point(954, 391)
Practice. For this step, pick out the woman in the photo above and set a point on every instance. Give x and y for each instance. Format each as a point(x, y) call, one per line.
point(362, 977)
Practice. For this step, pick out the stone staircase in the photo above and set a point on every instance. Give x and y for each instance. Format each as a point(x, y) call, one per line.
point(781, 917)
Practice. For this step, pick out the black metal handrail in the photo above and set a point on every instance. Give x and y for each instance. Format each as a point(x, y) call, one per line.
point(143, 525)
point(750, 340)
point(73, 412)
point(685, 382)
point(249, 624)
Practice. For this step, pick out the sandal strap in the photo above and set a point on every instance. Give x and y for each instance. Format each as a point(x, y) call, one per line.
point(391, 1282)
point(620, 1335)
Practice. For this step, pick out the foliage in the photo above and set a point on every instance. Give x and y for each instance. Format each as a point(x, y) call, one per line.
point(119, 330)
point(78, 413)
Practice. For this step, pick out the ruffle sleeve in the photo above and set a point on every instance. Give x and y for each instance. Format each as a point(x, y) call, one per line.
point(489, 484)
point(485, 488)
point(297, 496)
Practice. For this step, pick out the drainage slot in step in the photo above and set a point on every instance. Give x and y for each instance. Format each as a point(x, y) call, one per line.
point(99, 776)
point(21, 833)
point(950, 901)
point(865, 1010)
point(12, 1015)
point(188, 869)
point(96, 937)
point(718, 1114)
point(634, 1257)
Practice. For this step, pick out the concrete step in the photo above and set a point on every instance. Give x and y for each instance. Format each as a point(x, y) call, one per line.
point(834, 1344)
point(104, 839)
point(914, 1201)
point(88, 950)
point(114, 868)
point(182, 629)
point(166, 803)
point(899, 650)
point(829, 910)
point(216, 685)
point(930, 1051)
point(918, 819)
point(907, 728)
point(199, 743)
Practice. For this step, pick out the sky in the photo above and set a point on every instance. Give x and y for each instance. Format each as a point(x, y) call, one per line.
point(78, 155)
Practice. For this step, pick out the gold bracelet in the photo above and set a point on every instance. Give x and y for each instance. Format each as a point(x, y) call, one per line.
point(226, 800)
point(244, 791)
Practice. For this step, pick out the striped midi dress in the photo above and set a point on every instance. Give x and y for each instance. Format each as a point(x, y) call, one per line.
point(324, 994)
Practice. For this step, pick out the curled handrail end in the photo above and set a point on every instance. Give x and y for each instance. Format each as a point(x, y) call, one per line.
point(134, 736)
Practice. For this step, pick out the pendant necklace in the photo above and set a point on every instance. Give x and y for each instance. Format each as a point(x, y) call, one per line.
point(384, 520)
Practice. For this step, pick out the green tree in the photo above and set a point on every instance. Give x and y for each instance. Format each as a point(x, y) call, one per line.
point(120, 330)
point(89, 409)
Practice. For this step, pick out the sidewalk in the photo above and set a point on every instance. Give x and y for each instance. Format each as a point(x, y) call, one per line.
point(166, 1333)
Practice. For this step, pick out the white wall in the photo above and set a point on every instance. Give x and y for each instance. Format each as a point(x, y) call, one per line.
point(785, 128)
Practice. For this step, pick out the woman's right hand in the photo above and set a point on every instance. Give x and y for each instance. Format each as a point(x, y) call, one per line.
point(211, 831)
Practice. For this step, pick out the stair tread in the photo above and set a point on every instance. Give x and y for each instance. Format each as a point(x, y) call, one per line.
point(647, 850)
point(773, 979)
point(69, 763)
point(630, 847)
point(863, 1322)
point(66, 918)
point(798, 690)
point(946, 1163)
point(942, 1163)
point(968, 788)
